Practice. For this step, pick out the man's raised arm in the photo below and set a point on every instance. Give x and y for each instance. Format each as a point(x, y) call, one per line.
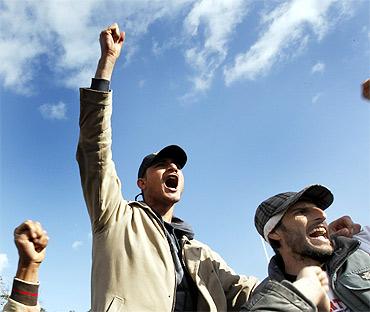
point(100, 184)
point(31, 241)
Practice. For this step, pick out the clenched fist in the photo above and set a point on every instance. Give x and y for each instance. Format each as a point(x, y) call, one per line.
point(31, 241)
point(313, 282)
point(111, 41)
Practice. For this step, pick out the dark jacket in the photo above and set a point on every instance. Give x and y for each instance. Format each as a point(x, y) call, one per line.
point(349, 275)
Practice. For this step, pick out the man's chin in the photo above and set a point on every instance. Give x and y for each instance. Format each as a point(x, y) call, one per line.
point(320, 253)
point(173, 197)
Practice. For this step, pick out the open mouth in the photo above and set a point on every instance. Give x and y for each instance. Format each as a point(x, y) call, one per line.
point(172, 181)
point(319, 233)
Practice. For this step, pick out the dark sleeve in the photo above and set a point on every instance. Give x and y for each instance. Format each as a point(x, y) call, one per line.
point(99, 84)
point(25, 293)
point(275, 296)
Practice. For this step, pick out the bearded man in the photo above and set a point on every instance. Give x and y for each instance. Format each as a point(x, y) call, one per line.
point(294, 224)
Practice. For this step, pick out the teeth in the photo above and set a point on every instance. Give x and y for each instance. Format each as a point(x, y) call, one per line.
point(319, 230)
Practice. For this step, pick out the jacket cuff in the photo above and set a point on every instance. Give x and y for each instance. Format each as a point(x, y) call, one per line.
point(99, 84)
point(25, 292)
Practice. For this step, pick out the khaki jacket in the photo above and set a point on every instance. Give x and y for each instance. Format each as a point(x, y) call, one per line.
point(132, 267)
point(15, 306)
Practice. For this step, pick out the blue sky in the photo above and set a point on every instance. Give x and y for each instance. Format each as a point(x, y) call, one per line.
point(263, 95)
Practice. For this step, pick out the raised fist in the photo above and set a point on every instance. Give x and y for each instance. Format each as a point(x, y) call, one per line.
point(31, 241)
point(111, 41)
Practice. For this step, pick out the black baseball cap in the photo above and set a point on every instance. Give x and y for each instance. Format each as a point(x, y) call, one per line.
point(174, 152)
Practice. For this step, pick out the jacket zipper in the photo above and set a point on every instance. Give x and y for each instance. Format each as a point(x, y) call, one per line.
point(170, 246)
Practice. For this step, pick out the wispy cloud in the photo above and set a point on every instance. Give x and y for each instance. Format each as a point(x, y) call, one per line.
point(318, 68)
point(62, 35)
point(77, 244)
point(316, 97)
point(53, 111)
point(286, 28)
point(217, 19)
point(160, 48)
point(3, 261)
point(65, 33)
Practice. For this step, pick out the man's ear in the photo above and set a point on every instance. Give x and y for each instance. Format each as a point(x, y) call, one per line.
point(274, 234)
point(141, 183)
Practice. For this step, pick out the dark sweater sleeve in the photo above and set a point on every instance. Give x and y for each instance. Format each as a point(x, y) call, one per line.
point(25, 292)
point(99, 84)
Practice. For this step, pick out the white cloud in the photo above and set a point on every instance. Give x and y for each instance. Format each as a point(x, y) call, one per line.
point(159, 49)
point(3, 261)
point(77, 244)
point(316, 97)
point(318, 68)
point(285, 28)
point(218, 19)
point(53, 111)
point(64, 36)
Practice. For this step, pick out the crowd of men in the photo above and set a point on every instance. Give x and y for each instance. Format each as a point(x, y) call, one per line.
point(146, 259)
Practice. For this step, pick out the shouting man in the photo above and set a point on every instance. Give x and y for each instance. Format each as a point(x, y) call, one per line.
point(294, 224)
point(144, 259)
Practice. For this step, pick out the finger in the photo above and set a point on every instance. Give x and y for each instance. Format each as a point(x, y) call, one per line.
point(323, 278)
point(122, 37)
point(114, 31)
point(113, 26)
point(343, 232)
point(310, 271)
point(366, 89)
point(356, 228)
point(24, 227)
point(42, 242)
point(342, 222)
point(36, 229)
point(116, 34)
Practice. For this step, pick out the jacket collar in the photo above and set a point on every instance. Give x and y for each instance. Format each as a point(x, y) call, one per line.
point(181, 227)
point(343, 247)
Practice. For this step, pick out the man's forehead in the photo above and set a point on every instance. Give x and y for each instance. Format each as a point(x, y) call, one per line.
point(306, 203)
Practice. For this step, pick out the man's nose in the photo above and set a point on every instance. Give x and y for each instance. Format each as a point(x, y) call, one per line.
point(173, 166)
point(319, 213)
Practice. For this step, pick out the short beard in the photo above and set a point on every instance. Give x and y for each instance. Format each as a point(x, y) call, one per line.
point(320, 255)
point(301, 248)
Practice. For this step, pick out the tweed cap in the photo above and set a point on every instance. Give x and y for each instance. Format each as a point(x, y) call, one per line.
point(280, 203)
point(174, 152)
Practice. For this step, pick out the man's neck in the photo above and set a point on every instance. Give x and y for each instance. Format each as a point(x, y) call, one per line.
point(165, 211)
point(295, 263)
point(167, 216)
